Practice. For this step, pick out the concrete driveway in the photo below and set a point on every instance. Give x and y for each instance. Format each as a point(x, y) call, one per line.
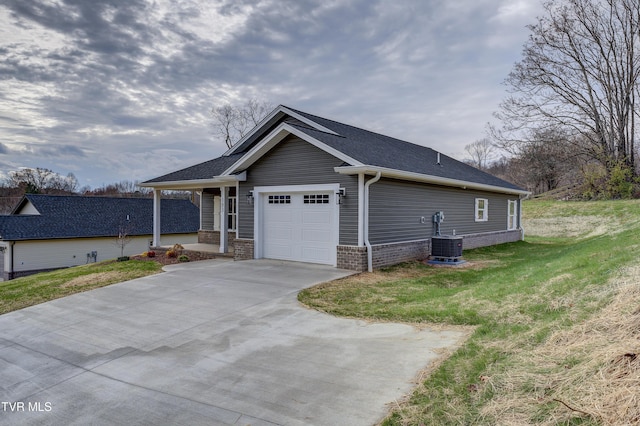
point(208, 343)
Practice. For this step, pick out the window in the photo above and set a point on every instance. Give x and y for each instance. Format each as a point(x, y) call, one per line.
point(512, 215)
point(279, 199)
point(232, 211)
point(482, 209)
point(316, 199)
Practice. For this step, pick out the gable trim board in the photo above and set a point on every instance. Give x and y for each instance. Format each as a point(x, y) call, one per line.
point(292, 151)
point(279, 112)
point(275, 137)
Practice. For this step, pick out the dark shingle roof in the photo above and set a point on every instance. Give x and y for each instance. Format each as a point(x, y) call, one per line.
point(206, 170)
point(80, 217)
point(363, 146)
point(379, 150)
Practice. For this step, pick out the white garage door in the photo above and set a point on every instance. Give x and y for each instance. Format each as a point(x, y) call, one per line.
point(300, 226)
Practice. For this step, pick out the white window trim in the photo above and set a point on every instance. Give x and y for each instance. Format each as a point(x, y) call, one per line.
point(484, 210)
point(232, 213)
point(512, 219)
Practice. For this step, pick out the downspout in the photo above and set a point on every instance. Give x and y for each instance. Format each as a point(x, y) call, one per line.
point(520, 218)
point(366, 220)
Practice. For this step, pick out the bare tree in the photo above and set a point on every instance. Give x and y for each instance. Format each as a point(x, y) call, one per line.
point(481, 152)
point(123, 238)
point(231, 123)
point(580, 72)
point(41, 180)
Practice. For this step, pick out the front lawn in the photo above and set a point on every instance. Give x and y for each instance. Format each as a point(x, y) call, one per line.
point(34, 289)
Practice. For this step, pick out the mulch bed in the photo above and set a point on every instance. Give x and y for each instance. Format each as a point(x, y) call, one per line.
point(163, 259)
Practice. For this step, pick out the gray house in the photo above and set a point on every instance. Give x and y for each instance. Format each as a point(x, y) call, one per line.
point(303, 188)
point(46, 232)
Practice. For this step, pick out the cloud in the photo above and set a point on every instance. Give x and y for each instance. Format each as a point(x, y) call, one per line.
point(113, 81)
point(61, 151)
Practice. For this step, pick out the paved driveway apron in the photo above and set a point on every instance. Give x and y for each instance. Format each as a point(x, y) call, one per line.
point(208, 343)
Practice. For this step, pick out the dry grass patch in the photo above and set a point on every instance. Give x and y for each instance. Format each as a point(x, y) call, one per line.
point(571, 226)
point(97, 278)
point(590, 371)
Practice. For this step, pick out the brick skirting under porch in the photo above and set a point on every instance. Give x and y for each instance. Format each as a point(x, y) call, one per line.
point(213, 237)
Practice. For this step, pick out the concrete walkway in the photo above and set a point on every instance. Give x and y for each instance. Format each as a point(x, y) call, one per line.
point(209, 343)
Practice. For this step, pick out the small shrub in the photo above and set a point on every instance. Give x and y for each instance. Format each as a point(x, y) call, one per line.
point(151, 253)
point(123, 258)
point(620, 184)
point(183, 258)
point(177, 248)
point(171, 253)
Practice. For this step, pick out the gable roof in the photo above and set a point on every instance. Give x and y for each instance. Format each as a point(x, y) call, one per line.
point(206, 170)
point(361, 150)
point(63, 216)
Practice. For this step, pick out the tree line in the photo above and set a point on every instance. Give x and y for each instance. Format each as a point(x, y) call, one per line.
point(569, 119)
point(41, 180)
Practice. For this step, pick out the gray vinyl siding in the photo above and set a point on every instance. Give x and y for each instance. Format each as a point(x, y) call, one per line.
point(296, 162)
point(396, 209)
point(207, 211)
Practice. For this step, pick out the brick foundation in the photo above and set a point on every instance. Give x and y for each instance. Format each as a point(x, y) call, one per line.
point(243, 249)
point(472, 241)
point(353, 258)
point(213, 237)
point(394, 253)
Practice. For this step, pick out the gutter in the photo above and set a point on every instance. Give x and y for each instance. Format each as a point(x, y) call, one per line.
point(420, 177)
point(196, 184)
point(366, 219)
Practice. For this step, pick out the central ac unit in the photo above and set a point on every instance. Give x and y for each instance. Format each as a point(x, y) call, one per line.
point(446, 247)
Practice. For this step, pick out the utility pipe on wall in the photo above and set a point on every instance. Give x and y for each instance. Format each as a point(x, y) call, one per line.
point(366, 219)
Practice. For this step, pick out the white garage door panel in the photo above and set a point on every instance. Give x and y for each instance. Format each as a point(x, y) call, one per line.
point(316, 255)
point(315, 236)
point(280, 251)
point(299, 230)
point(320, 217)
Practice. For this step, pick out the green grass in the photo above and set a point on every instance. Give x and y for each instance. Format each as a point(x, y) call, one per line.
point(31, 290)
point(515, 295)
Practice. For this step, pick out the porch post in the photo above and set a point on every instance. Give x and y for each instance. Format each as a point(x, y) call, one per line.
point(156, 217)
point(8, 261)
point(361, 210)
point(200, 210)
point(224, 234)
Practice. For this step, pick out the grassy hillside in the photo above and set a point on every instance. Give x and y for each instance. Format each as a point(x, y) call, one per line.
point(555, 321)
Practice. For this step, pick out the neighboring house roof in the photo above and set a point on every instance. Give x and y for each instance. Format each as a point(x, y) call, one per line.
point(362, 151)
point(80, 217)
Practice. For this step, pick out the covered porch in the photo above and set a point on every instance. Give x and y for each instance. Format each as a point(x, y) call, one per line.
point(217, 200)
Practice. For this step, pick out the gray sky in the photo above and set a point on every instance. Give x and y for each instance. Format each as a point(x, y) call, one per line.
point(116, 90)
